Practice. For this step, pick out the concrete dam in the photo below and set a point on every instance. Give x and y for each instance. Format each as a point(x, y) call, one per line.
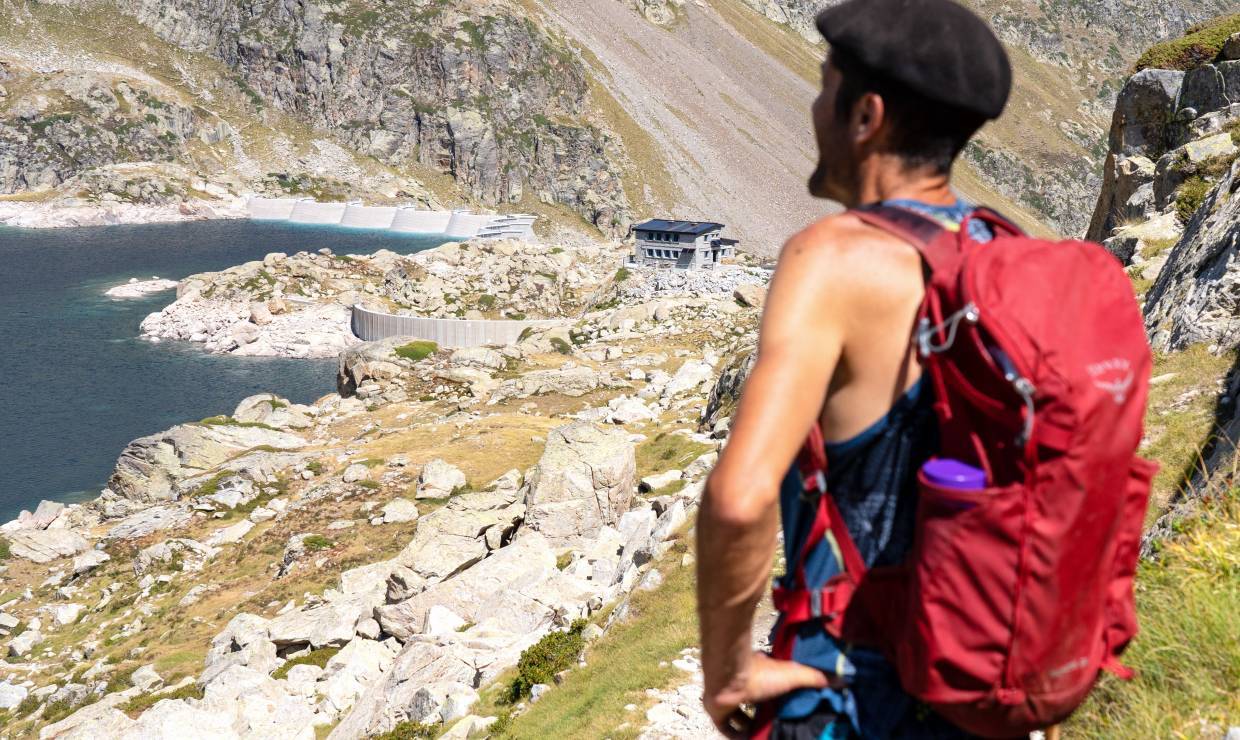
point(459, 224)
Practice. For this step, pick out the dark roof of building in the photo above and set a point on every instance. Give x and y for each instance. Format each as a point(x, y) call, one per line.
point(727, 242)
point(678, 227)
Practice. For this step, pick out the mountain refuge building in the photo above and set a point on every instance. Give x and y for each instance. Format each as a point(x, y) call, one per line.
point(688, 245)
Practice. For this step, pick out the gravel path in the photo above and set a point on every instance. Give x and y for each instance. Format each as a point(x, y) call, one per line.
point(732, 122)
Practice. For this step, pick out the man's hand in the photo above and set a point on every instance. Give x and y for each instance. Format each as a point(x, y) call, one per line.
point(764, 678)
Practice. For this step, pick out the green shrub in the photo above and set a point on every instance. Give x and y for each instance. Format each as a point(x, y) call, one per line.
point(28, 705)
point(565, 560)
point(314, 657)
point(1200, 46)
point(486, 301)
point(370, 485)
point(139, 704)
point(5, 553)
point(120, 681)
point(526, 333)
point(557, 250)
point(561, 346)
point(410, 731)
point(517, 316)
point(317, 542)
point(314, 466)
point(540, 662)
point(622, 274)
point(417, 351)
point(1190, 197)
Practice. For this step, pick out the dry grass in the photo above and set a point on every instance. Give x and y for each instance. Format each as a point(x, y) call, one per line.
point(1181, 416)
point(1187, 655)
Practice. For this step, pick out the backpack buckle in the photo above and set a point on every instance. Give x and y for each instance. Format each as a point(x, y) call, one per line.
point(926, 332)
point(815, 603)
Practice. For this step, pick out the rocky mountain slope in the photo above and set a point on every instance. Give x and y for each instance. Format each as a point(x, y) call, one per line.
point(1069, 58)
point(381, 557)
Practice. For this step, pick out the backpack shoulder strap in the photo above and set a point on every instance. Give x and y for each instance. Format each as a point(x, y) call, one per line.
point(937, 245)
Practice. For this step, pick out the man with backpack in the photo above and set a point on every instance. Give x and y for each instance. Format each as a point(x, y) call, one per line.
point(928, 517)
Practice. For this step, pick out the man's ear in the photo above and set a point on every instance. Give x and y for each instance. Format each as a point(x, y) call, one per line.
point(868, 117)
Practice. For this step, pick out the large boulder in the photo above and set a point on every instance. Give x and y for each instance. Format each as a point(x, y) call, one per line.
point(390, 700)
point(326, 625)
point(150, 467)
point(270, 409)
point(439, 479)
point(452, 538)
point(1145, 106)
point(585, 480)
point(46, 545)
point(350, 671)
point(243, 642)
point(488, 590)
point(371, 361)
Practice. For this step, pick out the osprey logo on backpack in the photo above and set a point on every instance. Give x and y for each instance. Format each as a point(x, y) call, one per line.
point(1015, 596)
point(1113, 376)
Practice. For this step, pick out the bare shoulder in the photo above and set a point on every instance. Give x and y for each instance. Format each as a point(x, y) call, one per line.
point(843, 250)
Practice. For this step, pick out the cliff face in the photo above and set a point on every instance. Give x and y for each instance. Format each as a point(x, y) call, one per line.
point(480, 93)
point(1046, 152)
point(56, 126)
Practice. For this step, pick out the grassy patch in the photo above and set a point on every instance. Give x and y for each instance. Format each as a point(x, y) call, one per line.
point(228, 421)
point(1180, 420)
point(667, 452)
point(1200, 46)
point(620, 666)
point(140, 704)
point(1190, 196)
point(1187, 656)
point(561, 346)
point(5, 552)
point(416, 351)
point(623, 274)
point(411, 731)
point(120, 681)
point(314, 657)
point(316, 542)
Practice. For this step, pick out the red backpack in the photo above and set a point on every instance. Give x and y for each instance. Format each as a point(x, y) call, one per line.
point(1014, 597)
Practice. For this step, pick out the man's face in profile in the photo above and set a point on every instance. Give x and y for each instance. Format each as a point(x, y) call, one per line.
point(832, 178)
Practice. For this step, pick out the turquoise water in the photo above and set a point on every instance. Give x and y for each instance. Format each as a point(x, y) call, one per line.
point(76, 385)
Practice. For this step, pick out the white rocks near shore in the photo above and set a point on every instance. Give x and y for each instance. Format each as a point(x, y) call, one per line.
point(136, 288)
point(71, 213)
point(318, 331)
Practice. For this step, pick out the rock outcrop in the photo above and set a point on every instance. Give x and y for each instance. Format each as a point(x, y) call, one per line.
point(487, 97)
point(1197, 296)
point(583, 481)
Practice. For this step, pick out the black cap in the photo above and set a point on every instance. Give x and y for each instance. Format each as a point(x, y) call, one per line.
point(936, 47)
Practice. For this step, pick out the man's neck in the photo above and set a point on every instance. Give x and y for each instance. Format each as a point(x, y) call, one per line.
point(889, 180)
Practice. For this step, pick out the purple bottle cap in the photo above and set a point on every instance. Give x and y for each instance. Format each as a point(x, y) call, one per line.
point(947, 473)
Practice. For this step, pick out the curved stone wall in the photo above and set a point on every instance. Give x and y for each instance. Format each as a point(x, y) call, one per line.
point(373, 325)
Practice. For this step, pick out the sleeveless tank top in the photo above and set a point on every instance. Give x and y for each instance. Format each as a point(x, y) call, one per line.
point(873, 480)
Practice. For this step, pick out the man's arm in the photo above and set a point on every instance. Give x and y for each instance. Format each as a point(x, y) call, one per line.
point(799, 347)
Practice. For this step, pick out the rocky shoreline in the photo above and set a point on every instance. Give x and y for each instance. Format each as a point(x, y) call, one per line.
point(36, 215)
point(516, 488)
